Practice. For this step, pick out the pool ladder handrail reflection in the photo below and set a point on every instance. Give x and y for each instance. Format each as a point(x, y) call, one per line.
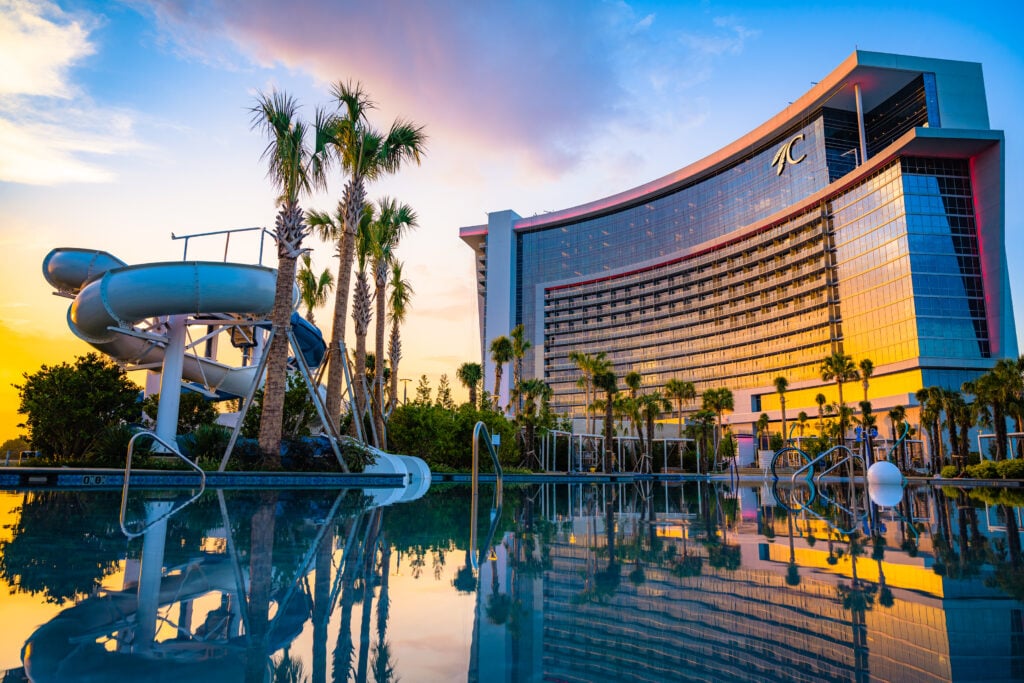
point(127, 478)
point(480, 430)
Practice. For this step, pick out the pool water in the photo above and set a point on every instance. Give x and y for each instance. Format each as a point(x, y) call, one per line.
point(568, 582)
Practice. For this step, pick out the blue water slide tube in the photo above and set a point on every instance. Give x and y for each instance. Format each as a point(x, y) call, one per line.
point(111, 297)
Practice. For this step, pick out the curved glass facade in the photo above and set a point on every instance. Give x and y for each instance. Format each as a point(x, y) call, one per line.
point(847, 228)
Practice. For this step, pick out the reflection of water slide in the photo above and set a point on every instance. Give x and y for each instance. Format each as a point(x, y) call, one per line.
point(112, 299)
point(65, 648)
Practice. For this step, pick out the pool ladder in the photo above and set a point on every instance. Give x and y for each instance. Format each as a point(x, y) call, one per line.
point(127, 478)
point(481, 434)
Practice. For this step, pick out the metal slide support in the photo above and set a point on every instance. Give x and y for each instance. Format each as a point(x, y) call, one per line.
point(240, 605)
point(373, 423)
point(247, 403)
point(351, 392)
point(314, 395)
point(127, 478)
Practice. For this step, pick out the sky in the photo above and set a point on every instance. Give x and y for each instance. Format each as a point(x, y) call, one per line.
point(124, 122)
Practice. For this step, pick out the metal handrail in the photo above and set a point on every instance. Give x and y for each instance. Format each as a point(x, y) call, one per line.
point(227, 240)
point(481, 430)
point(127, 477)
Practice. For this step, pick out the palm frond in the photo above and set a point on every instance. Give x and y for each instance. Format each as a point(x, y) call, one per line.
point(287, 155)
point(400, 294)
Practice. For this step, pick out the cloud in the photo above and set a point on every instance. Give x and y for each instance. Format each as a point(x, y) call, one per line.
point(644, 23)
point(38, 51)
point(536, 81)
point(48, 127)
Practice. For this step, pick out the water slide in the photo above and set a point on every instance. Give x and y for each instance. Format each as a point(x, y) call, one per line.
point(112, 299)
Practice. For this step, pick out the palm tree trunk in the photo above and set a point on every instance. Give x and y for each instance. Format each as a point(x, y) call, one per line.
point(381, 272)
point(361, 319)
point(679, 405)
point(608, 455)
point(355, 195)
point(272, 418)
point(395, 353)
point(497, 386)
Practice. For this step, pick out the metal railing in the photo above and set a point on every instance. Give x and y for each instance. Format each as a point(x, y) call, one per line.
point(127, 478)
point(480, 430)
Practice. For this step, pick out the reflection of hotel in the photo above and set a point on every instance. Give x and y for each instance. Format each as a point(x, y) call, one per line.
point(749, 623)
point(866, 218)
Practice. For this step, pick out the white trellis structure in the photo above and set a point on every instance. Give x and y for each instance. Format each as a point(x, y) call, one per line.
point(583, 451)
point(1014, 440)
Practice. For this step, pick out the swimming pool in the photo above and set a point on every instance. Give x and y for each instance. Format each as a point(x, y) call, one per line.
point(571, 582)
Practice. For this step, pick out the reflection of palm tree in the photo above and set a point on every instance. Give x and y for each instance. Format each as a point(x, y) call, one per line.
point(499, 605)
point(858, 598)
point(369, 579)
point(793, 572)
point(261, 570)
point(343, 650)
point(321, 603)
point(288, 669)
point(381, 663)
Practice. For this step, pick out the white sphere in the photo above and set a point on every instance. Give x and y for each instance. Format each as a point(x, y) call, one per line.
point(885, 473)
point(885, 495)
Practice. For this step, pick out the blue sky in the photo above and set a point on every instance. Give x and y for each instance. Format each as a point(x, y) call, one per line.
point(121, 123)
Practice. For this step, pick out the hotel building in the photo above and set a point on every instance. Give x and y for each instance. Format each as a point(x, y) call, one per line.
point(866, 218)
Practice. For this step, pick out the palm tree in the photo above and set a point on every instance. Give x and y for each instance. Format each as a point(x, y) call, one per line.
point(313, 288)
point(628, 408)
point(717, 401)
point(781, 384)
point(470, 375)
point(652, 406)
point(606, 382)
point(394, 220)
point(867, 422)
point(294, 170)
point(399, 297)
point(897, 415)
point(801, 420)
point(501, 353)
point(633, 380)
point(520, 345)
point(532, 413)
point(930, 399)
point(867, 368)
point(953, 404)
point(821, 401)
point(839, 368)
point(762, 428)
point(589, 367)
point(364, 154)
point(678, 390)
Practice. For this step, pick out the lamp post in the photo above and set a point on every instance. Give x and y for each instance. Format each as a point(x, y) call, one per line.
point(405, 390)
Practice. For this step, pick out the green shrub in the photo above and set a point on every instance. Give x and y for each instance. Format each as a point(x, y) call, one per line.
point(949, 472)
point(111, 448)
point(444, 438)
point(983, 470)
point(207, 442)
point(1011, 469)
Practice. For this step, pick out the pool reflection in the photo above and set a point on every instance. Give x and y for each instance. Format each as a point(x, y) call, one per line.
point(579, 582)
